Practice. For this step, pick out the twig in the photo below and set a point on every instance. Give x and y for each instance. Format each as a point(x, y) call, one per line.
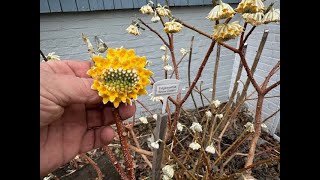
point(204, 62)
point(189, 76)
point(94, 165)
point(43, 56)
point(271, 87)
point(264, 97)
point(154, 32)
point(141, 151)
point(144, 107)
point(271, 73)
point(124, 144)
point(193, 28)
point(179, 162)
point(271, 116)
point(115, 163)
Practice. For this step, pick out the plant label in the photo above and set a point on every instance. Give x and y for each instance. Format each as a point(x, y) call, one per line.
point(165, 88)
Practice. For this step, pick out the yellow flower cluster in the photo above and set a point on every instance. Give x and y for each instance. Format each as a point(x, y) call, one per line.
point(224, 32)
point(250, 6)
point(254, 19)
point(221, 11)
point(163, 11)
point(272, 16)
point(120, 76)
point(132, 29)
point(146, 9)
point(172, 27)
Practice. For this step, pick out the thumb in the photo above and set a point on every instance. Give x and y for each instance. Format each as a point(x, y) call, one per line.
point(69, 89)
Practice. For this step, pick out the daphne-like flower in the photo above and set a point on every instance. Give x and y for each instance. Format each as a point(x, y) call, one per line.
point(194, 146)
point(249, 127)
point(219, 116)
point(120, 77)
point(165, 57)
point(196, 127)
point(146, 9)
point(264, 126)
point(172, 27)
point(224, 32)
point(155, 116)
point(155, 18)
point(272, 16)
point(221, 11)
point(163, 48)
point(210, 149)
point(163, 11)
point(143, 120)
point(216, 103)
point(168, 67)
point(179, 126)
point(158, 98)
point(133, 29)
point(208, 114)
point(254, 19)
point(250, 6)
point(165, 177)
point(53, 57)
point(168, 171)
point(183, 51)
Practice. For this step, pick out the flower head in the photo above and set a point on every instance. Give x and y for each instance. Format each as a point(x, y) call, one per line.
point(210, 149)
point(225, 32)
point(216, 103)
point(165, 57)
point(133, 29)
point(219, 116)
point(254, 19)
point(271, 16)
point(168, 171)
point(163, 48)
point(250, 6)
point(53, 57)
point(119, 77)
point(146, 9)
point(179, 126)
point(143, 120)
point(168, 67)
point(208, 114)
point(155, 18)
point(172, 27)
point(194, 146)
point(249, 127)
point(221, 11)
point(163, 11)
point(155, 116)
point(155, 145)
point(196, 127)
point(183, 51)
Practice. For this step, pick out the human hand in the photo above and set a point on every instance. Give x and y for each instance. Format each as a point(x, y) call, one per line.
point(68, 111)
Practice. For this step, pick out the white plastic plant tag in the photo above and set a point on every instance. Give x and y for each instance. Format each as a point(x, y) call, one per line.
point(165, 88)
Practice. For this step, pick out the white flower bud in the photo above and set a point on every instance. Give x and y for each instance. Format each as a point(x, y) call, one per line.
point(196, 127)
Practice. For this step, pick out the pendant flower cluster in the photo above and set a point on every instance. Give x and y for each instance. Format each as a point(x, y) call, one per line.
point(221, 11)
point(172, 27)
point(254, 19)
point(119, 77)
point(250, 6)
point(224, 32)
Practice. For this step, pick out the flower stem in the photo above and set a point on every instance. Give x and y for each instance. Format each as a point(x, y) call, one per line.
point(124, 144)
